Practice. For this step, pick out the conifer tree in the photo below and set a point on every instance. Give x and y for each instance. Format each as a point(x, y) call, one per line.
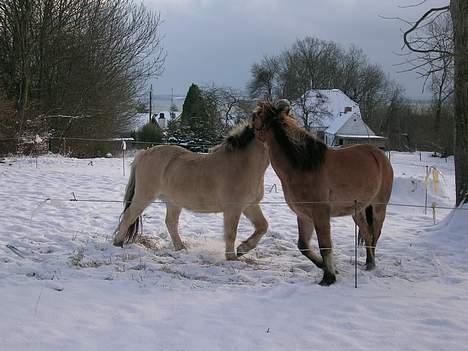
point(195, 121)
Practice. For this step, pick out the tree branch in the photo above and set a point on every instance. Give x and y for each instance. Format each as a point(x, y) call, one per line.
point(415, 26)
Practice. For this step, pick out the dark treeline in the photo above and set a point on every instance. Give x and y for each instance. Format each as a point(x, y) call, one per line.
point(74, 66)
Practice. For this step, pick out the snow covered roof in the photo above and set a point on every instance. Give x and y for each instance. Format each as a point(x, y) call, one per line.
point(139, 120)
point(354, 136)
point(334, 101)
point(349, 123)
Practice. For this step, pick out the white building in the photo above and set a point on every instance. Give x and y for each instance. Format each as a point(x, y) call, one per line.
point(337, 120)
point(162, 119)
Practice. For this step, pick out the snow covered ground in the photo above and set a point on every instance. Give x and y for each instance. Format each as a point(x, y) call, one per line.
point(63, 286)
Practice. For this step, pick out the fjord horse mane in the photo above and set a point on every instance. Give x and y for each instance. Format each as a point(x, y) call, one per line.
point(302, 149)
point(238, 139)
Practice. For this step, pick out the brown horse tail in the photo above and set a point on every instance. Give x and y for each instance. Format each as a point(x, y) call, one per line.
point(133, 229)
point(370, 222)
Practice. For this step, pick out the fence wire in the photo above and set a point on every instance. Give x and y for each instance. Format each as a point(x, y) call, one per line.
point(281, 203)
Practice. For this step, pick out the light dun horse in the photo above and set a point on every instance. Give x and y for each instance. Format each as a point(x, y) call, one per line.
point(319, 183)
point(229, 179)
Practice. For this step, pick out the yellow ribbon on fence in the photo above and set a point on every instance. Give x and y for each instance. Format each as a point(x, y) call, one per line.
point(436, 175)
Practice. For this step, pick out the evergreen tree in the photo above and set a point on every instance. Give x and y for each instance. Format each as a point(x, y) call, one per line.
point(194, 107)
point(196, 123)
point(173, 108)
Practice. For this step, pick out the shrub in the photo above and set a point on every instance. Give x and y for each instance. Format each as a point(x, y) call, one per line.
point(150, 133)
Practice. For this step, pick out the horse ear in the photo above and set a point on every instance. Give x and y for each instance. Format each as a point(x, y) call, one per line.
point(283, 105)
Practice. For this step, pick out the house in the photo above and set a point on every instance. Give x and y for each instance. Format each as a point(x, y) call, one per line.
point(162, 119)
point(336, 119)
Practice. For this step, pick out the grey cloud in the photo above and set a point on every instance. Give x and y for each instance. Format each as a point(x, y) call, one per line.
point(211, 41)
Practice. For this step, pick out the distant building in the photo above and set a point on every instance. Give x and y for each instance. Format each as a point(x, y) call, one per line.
point(161, 118)
point(164, 117)
point(336, 119)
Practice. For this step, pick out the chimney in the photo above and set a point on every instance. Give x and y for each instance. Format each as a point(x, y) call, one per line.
point(348, 109)
point(162, 121)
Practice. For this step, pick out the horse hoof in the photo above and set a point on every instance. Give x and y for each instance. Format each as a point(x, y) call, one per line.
point(118, 243)
point(180, 247)
point(231, 257)
point(370, 266)
point(328, 279)
point(242, 249)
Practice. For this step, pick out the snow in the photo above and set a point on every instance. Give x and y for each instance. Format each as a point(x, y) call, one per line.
point(349, 123)
point(335, 102)
point(63, 286)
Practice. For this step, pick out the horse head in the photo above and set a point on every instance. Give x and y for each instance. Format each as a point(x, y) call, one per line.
point(267, 112)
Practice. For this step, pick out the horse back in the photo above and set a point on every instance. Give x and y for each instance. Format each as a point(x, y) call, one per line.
point(201, 182)
point(361, 171)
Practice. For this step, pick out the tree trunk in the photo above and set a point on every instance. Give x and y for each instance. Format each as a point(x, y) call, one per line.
point(459, 12)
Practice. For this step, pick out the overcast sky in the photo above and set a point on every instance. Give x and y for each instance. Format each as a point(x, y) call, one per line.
point(217, 41)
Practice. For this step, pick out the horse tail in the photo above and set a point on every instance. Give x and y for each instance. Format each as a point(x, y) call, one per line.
point(133, 229)
point(369, 215)
point(369, 212)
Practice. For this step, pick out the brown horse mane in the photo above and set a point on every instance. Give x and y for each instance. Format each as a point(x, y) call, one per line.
point(303, 150)
point(238, 139)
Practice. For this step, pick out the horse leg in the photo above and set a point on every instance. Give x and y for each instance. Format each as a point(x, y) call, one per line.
point(231, 221)
point(322, 227)
point(379, 212)
point(306, 229)
point(366, 232)
point(255, 216)
point(172, 224)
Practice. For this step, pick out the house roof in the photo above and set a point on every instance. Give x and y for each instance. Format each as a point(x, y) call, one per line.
point(334, 101)
point(338, 123)
point(141, 119)
point(349, 123)
point(353, 136)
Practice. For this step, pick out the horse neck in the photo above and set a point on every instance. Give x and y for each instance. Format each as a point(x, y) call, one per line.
point(278, 159)
point(254, 155)
point(260, 154)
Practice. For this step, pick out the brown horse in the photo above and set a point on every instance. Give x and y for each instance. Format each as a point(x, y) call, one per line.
point(320, 182)
point(229, 179)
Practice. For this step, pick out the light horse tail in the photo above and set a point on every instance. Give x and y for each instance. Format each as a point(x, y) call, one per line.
point(134, 228)
point(375, 212)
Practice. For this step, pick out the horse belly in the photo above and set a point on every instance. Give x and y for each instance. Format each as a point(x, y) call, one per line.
point(341, 211)
point(195, 201)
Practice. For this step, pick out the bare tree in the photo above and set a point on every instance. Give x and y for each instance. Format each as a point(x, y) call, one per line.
point(312, 108)
point(264, 77)
point(227, 105)
point(392, 124)
point(431, 46)
point(459, 12)
point(430, 41)
point(310, 64)
point(437, 55)
point(77, 58)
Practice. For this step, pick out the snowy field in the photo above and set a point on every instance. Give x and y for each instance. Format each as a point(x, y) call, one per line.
point(63, 286)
